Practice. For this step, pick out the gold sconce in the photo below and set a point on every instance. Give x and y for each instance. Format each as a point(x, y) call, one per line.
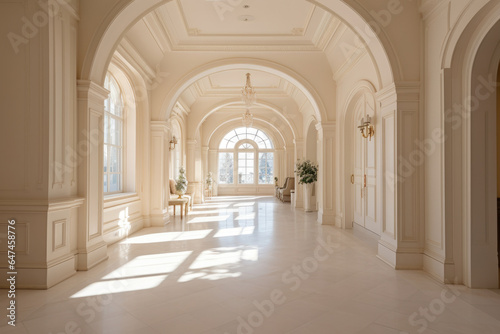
point(173, 142)
point(366, 127)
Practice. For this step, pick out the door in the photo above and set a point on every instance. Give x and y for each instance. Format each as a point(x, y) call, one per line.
point(364, 174)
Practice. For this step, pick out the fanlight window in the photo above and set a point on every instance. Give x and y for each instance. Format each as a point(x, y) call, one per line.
point(259, 137)
point(246, 156)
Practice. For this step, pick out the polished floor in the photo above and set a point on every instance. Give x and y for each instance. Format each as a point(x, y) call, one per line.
point(244, 265)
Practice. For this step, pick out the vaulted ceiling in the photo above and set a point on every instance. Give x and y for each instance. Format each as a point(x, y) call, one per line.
point(245, 26)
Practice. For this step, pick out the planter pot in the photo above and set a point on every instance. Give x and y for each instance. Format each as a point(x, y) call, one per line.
point(308, 203)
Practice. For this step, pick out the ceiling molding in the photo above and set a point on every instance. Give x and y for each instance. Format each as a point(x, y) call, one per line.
point(131, 55)
point(158, 32)
point(349, 64)
point(326, 31)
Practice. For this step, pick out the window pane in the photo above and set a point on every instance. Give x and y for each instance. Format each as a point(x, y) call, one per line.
point(114, 183)
point(105, 159)
point(105, 183)
point(226, 168)
point(238, 134)
point(266, 163)
point(115, 159)
point(115, 128)
point(245, 168)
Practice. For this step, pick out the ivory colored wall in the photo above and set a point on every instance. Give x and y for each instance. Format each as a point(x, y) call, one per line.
point(439, 19)
point(498, 133)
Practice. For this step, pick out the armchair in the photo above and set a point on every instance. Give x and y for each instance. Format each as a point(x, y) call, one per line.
point(173, 194)
point(284, 192)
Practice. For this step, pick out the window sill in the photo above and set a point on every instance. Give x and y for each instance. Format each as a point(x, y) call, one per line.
point(120, 199)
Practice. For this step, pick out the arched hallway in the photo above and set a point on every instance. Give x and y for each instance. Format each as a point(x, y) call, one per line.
point(229, 258)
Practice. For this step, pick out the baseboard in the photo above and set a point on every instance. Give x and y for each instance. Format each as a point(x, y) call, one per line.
point(92, 257)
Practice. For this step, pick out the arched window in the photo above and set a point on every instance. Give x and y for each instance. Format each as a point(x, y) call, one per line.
point(113, 137)
point(248, 153)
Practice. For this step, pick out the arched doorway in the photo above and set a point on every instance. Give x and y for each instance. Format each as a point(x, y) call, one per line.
point(471, 152)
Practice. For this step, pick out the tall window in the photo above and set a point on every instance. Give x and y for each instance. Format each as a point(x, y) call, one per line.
point(113, 137)
point(249, 153)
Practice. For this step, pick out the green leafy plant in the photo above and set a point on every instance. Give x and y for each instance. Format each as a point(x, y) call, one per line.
point(209, 180)
point(306, 171)
point(181, 183)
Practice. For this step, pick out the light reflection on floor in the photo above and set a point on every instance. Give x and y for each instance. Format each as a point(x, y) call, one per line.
point(201, 273)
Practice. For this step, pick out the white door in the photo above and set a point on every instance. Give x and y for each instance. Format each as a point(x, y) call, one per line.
point(364, 174)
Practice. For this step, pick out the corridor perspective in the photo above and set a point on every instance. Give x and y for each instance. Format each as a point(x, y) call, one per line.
point(252, 265)
point(250, 166)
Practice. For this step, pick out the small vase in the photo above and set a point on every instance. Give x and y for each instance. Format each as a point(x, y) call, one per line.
point(308, 205)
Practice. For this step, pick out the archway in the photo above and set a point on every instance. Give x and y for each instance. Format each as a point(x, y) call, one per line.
point(311, 153)
point(470, 127)
point(102, 41)
point(360, 103)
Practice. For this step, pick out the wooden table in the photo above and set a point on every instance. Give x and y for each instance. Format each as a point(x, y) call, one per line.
point(183, 202)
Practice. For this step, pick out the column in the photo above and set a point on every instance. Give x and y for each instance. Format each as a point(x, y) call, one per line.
point(91, 247)
point(205, 169)
point(213, 162)
point(193, 171)
point(326, 177)
point(402, 235)
point(299, 154)
point(159, 173)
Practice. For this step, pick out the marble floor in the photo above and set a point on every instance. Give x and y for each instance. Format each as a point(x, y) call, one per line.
point(244, 265)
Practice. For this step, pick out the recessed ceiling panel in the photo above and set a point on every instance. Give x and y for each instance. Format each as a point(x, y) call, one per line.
point(237, 79)
point(246, 17)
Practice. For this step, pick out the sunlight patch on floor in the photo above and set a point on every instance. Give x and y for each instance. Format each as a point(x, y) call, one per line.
point(168, 236)
point(225, 256)
point(234, 232)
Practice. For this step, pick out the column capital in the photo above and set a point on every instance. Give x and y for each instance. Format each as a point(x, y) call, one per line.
point(326, 126)
point(160, 126)
point(191, 142)
point(87, 90)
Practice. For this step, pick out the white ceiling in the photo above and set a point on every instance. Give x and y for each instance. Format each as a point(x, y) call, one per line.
point(219, 25)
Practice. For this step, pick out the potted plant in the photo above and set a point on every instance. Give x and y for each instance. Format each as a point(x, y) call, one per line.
point(276, 181)
point(181, 183)
point(209, 180)
point(307, 173)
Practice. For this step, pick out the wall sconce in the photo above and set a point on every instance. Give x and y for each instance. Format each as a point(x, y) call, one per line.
point(173, 142)
point(366, 127)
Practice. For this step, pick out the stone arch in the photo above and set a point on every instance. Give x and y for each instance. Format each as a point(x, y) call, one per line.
point(248, 63)
point(347, 124)
point(472, 53)
point(125, 13)
point(276, 110)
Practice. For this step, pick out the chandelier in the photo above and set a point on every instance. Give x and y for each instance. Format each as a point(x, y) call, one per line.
point(247, 119)
point(248, 93)
point(248, 96)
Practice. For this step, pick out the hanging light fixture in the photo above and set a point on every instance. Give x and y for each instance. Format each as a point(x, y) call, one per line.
point(247, 119)
point(248, 93)
point(249, 97)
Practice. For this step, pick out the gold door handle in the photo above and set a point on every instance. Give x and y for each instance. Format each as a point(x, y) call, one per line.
point(365, 180)
point(352, 179)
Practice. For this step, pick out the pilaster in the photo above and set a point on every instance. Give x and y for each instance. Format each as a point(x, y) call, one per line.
point(299, 191)
point(160, 188)
point(91, 247)
point(326, 177)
